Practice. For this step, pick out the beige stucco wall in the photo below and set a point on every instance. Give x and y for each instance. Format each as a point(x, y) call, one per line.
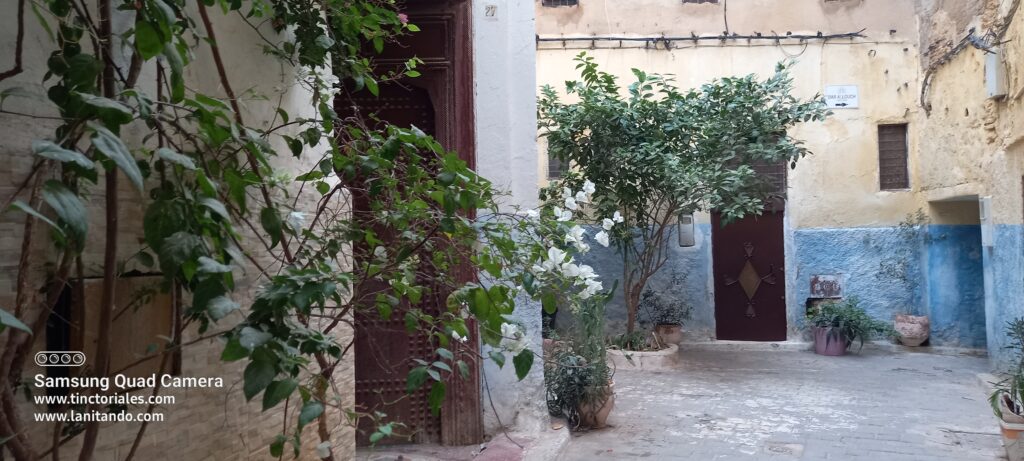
point(972, 144)
point(838, 185)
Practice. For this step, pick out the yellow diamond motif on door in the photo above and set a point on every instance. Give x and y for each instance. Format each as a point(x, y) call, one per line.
point(749, 280)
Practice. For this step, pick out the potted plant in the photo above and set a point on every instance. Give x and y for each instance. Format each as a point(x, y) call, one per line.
point(577, 378)
point(580, 390)
point(1007, 399)
point(666, 315)
point(837, 324)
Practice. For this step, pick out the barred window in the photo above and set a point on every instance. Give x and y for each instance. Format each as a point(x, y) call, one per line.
point(892, 157)
point(559, 2)
point(556, 167)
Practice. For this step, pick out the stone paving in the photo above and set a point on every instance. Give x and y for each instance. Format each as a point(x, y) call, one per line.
point(794, 405)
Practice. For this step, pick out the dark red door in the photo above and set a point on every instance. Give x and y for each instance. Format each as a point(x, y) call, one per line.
point(439, 103)
point(750, 290)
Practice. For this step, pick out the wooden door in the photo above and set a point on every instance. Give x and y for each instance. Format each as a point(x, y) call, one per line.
point(750, 289)
point(439, 103)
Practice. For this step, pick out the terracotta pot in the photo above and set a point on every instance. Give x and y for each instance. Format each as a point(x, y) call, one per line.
point(827, 342)
point(1012, 440)
point(669, 334)
point(595, 414)
point(913, 329)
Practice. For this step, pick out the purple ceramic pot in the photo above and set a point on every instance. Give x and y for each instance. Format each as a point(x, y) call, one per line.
point(827, 342)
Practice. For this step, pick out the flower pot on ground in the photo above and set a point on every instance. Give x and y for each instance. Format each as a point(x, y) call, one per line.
point(666, 312)
point(594, 413)
point(838, 324)
point(913, 330)
point(1007, 399)
point(827, 341)
point(669, 334)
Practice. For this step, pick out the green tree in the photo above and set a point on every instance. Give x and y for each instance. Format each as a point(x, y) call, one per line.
point(655, 151)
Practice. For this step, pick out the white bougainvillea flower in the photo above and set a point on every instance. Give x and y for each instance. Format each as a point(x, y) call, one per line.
point(592, 287)
point(575, 235)
point(617, 217)
point(570, 270)
point(380, 252)
point(566, 192)
point(456, 336)
point(581, 197)
point(555, 257)
point(607, 224)
point(323, 450)
point(562, 215)
point(513, 339)
point(589, 187)
point(586, 272)
point(602, 238)
point(570, 203)
point(532, 214)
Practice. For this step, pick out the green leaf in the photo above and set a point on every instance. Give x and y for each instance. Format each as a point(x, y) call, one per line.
point(9, 320)
point(107, 143)
point(376, 437)
point(412, 27)
point(69, 208)
point(270, 219)
point(176, 158)
point(18, 204)
point(257, 376)
point(47, 149)
point(463, 369)
point(417, 376)
point(278, 391)
point(310, 411)
point(436, 397)
point(147, 40)
point(277, 446)
point(221, 306)
point(523, 361)
point(109, 110)
point(233, 351)
point(549, 303)
point(445, 353)
point(215, 206)
point(498, 357)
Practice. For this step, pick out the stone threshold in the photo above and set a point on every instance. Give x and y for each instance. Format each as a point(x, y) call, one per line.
point(877, 346)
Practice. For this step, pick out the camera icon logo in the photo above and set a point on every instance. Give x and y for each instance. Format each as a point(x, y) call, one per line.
point(60, 358)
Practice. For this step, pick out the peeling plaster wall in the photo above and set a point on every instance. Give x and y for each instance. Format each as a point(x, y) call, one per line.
point(972, 147)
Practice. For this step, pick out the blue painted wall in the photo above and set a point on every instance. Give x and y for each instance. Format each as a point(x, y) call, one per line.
point(955, 295)
point(942, 272)
point(1003, 265)
point(686, 276)
point(878, 265)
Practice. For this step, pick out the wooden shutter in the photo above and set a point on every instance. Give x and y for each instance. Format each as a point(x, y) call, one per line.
point(892, 157)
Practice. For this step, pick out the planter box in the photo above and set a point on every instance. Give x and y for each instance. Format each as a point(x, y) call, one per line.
point(828, 344)
point(665, 359)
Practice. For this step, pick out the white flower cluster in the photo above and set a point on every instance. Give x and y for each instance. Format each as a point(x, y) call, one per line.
point(513, 338)
point(582, 274)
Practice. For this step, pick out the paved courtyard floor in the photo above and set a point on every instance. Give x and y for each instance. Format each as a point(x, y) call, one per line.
point(789, 405)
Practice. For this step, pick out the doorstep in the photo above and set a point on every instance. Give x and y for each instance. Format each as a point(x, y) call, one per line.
point(545, 446)
point(880, 346)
